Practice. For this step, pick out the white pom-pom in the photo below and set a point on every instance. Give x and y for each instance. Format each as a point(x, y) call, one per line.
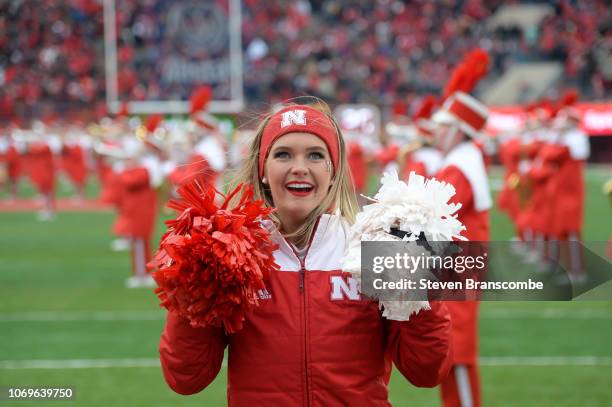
point(419, 206)
point(402, 310)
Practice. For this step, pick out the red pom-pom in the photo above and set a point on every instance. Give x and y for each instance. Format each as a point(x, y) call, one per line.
point(212, 261)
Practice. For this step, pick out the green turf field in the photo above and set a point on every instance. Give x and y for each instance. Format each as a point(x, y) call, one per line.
point(67, 320)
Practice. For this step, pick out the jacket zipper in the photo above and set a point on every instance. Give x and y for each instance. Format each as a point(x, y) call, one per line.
point(305, 319)
point(304, 312)
point(302, 276)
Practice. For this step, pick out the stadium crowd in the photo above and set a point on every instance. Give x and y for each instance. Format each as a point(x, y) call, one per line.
point(52, 52)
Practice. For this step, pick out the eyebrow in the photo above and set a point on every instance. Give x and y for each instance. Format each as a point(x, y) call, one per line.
point(316, 148)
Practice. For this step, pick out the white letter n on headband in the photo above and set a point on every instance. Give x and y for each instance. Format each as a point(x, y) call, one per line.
point(293, 117)
point(299, 119)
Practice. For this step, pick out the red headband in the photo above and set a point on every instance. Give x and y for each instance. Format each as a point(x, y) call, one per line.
point(298, 119)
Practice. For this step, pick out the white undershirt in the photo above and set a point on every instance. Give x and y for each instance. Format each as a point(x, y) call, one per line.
point(301, 253)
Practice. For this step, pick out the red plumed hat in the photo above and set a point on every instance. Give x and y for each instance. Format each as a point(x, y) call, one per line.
point(458, 81)
point(569, 98)
point(473, 67)
point(153, 122)
point(425, 109)
point(478, 60)
point(200, 98)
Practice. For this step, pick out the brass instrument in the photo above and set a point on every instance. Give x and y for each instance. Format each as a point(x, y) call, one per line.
point(522, 186)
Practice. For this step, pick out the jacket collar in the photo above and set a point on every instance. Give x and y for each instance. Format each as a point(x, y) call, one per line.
point(325, 230)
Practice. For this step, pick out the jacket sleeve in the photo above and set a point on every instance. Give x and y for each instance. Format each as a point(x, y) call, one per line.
point(421, 348)
point(190, 357)
point(463, 189)
point(540, 173)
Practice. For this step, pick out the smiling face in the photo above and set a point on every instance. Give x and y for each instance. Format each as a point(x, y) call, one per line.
point(298, 172)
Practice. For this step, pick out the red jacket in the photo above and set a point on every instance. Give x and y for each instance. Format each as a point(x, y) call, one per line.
point(410, 164)
point(138, 208)
point(568, 188)
point(73, 164)
point(569, 193)
point(312, 341)
point(542, 175)
point(464, 168)
point(11, 159)
point(42, 167)
point(510, 156)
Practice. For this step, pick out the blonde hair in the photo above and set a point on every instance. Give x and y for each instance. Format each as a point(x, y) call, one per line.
point(341, 195)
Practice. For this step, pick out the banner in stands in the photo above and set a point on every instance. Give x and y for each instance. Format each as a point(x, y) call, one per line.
point(596, 118)
point(157, 53)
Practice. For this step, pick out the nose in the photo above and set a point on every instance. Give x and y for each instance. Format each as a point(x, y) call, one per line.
point(299, 167)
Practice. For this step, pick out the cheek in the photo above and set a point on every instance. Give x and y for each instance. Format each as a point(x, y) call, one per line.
point(323, 178)
point(274, 172)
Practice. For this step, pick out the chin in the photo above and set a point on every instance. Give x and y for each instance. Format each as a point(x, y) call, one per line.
point(298, 212)
point(301, 213)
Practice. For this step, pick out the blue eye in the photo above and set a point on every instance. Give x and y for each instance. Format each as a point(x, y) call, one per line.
point(281, 154)
point(316, 156)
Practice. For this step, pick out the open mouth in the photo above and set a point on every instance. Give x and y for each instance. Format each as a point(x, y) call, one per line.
point(299, 188)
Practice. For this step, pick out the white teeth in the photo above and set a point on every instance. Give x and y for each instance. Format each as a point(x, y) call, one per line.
point(301, 186)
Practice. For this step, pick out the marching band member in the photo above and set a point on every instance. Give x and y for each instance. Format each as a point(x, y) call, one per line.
point(139, 181)
point(541, 162)
point(73, 160)
point(459, 122)
point(42, 148)
point(115, 145)
point(568, 191)
point(11, 160)
point(529, 188)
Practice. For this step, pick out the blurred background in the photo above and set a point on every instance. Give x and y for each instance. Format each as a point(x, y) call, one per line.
point(93, 89)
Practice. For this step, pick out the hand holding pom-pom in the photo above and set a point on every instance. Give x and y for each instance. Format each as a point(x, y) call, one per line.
point(212, 261)
point(418, 210)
